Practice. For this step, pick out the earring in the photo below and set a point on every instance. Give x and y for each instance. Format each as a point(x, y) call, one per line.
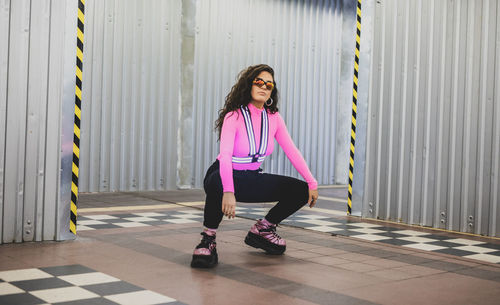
point(269, 104)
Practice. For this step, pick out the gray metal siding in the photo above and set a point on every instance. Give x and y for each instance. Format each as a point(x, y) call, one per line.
point(4, 59)
point(15, 131)
point(32, 49)
point(433, 115)
point(36, 119)
point(302, 41)
point(130, 95)
point(131, 135)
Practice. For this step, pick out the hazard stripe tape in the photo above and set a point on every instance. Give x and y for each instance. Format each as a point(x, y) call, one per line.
point(354, 106)
point(78, 111)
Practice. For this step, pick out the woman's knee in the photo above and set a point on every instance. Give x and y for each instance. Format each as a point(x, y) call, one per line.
point(299, 190)
point(293, 189)
point(212, 182)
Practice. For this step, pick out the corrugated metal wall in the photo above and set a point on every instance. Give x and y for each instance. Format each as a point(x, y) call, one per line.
point(32, 51)
point(302, 41)
point(433, 155)
point(130, 95)
point(131, 137)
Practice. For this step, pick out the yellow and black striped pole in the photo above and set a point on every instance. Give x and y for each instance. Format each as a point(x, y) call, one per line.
point(78, 107)
point(354, 106)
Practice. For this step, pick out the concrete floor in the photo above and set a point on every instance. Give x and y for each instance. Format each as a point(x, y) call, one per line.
point(150, 264)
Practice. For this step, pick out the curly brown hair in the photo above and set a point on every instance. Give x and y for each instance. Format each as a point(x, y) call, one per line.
point(240, 93)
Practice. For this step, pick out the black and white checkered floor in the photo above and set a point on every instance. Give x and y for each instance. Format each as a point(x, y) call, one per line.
point(463, 247)
point(92, 222)
point(72, 285)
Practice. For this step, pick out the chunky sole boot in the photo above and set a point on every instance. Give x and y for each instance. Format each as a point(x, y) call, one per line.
point(205, 261)
point(260, 242)
point(205, 254)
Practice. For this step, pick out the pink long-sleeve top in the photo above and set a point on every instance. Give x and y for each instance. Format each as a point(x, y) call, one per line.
point(234, 142)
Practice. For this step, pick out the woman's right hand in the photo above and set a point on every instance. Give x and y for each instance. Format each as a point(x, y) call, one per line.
point(229, 204)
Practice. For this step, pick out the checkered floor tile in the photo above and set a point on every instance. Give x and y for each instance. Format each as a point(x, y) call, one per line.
point(312, 221)
point(407, 238)
point(93, 222)
point(72, 285)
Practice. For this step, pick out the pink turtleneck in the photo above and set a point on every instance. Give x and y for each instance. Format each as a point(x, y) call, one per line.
point(234, 142)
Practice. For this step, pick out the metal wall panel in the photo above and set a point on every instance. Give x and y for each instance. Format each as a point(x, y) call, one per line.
point(302, 41)
point(4, 74)
point(15, 128)
point(130, 96)
point(32, 51)
point(433, 131)
point(36, 118)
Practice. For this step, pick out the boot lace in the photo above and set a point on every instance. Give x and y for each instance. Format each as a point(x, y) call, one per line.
point(207, 241)
point(271, 233)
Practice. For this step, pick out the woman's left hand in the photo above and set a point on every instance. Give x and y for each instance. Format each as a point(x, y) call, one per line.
point(313, 196)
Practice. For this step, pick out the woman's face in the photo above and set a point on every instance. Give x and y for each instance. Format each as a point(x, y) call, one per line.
point(262, 94)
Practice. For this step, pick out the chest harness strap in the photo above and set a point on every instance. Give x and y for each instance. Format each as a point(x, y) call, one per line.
point(254, 155)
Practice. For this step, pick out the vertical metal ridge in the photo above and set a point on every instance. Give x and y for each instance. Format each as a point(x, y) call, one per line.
point(424, 46)
point(135, 175)
point(126, 93)
point(197, 93)
point(36, 123)
point(158, 175)
point(495, 180)
point(15, 126)
point(391, 113)
point(144, 98)
point(42, 142)
point(106, 97)
point(425, 197)
point(415, 121)
point(150, 122)
point(112, 169)
point(5, 13)
point(96, 98)
point(404, 93)
point(331, 92)
point(469, 219)
point(315, 150)
point(304, 139)
point(454, 88)
point(483, 120)
point(440, 173)
point(53, 135)
point(368, 189)
point(379, 114)
point(334, 92)
point(466, 137)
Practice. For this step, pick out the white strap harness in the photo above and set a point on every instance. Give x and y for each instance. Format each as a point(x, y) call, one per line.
point(254, 156)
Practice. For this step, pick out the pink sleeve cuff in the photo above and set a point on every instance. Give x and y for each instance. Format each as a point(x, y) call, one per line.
point(228, 189)
point(313, 185)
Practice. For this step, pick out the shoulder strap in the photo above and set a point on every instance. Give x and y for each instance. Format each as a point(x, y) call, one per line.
point(249, 127)
point(253, 155)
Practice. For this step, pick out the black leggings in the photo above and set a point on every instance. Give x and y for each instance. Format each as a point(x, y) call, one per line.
point(253, 186)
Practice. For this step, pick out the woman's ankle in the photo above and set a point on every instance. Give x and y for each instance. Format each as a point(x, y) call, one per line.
point(210, 232)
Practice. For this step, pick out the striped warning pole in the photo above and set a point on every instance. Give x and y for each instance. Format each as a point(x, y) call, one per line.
point(78, 107)
point(354, 105)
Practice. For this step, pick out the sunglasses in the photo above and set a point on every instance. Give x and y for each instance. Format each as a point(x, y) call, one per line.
point(259, 82)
